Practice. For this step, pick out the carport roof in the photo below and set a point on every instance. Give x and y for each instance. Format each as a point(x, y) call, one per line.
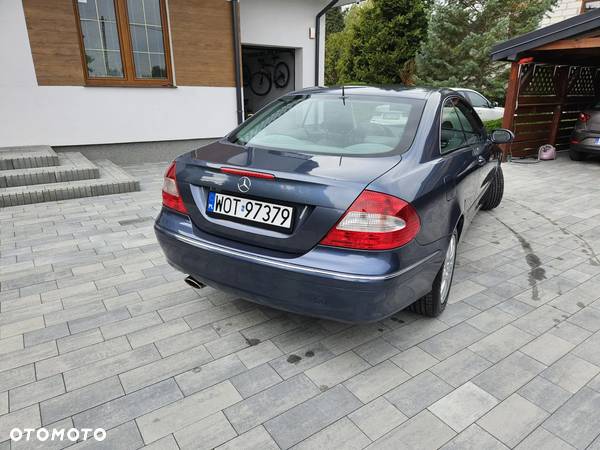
point(513, 49)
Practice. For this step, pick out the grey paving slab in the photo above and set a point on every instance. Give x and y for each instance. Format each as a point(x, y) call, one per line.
point(542, 439)
point(460, 367)
point(337, 370)
point(474, 437)
point(208, 374)
point(206, 433)
point(544, 394)
point(376, 381)
point(451, 341)
point(27, 355)
point(463, 406)
point(270, 403)
point(255, 439)
point(505, 377)
point(184, 412)
point(577, 422)
point(164, 368)
point(376, 351)
point(255, 380)
point(255, 355)
point(36, 392)
point(512, 420)
point(341, 434)
point(123, 437)
point(422, 432)
point(571, 373)
point(70, 403)
point(301, 360)
point(304, 420)
point(377, 418)
point(80, 340)
point(46, 334)
point(23, 418)
point(414, 360)
point(129, 407)
point(410, 397)
point(19, 376)
point(414, 333)
point(81, 357)
point(547, 348)
point(174, 344)
point(107, 367)
point(501, 343)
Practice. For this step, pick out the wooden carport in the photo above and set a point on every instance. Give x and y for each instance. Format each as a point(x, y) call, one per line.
point(555, 73)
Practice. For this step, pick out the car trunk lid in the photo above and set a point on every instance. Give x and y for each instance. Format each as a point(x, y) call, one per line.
point(319, 188)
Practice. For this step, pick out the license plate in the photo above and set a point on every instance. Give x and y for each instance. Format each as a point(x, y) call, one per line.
point(271, 214)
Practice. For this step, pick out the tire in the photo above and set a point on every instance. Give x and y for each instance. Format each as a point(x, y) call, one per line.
point(495, 192)
point(576, 156)
point(260, 83)
point(281, 75)
point(434, 303)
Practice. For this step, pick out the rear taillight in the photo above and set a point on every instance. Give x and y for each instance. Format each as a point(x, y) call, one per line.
point(170, 194)
point(584, 117)
point(375, 221)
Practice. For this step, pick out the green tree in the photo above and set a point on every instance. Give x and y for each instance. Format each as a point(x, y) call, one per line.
point(378, 42)
point(461, 35)
point(334, 21)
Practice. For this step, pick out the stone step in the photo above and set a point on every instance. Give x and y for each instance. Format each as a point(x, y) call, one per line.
point(27, 157)
point(113, 180)
point(72, 167)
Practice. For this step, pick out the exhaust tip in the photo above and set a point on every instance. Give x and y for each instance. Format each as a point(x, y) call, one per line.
point(193, 282)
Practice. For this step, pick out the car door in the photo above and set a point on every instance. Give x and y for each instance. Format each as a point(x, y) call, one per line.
point(483, 149)
point(458, 150)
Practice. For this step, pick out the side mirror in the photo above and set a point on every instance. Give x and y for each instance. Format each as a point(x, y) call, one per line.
point(502, 136)
point(494, 104)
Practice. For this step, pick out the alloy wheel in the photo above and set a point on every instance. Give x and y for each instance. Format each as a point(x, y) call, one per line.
point(448, 269)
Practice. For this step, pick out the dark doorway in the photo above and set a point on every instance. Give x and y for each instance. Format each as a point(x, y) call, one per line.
point(268, 73)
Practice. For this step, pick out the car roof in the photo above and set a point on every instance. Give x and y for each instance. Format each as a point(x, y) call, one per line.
point(388, 90)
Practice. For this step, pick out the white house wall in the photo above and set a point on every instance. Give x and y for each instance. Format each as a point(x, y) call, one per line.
point(76, 115)
point(564, 9)
point(285, 23)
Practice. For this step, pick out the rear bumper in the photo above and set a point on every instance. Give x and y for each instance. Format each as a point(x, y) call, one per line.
point(292, 284)
point(586, 141)
point(593, 149)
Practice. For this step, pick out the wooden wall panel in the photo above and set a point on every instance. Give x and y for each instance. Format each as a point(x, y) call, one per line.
point(54, 42)
point(202, 36)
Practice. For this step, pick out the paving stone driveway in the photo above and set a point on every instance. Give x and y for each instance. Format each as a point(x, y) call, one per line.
point(97, 331)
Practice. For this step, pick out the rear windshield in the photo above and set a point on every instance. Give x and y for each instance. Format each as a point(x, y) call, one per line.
point(356, 125)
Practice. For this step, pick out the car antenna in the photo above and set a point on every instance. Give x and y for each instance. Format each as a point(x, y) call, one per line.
point(343, 97)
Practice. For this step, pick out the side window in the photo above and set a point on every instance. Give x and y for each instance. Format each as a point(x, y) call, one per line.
point(471, 123)
point(478, 101)
point(452, 135)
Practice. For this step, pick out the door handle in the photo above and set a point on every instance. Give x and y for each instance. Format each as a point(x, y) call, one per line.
point(481, 160)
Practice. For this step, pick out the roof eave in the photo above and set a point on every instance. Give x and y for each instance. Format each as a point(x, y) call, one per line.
point(510, 49)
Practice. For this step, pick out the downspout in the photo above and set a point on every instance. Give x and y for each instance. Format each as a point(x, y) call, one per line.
point(330, 5)
point(235, 14)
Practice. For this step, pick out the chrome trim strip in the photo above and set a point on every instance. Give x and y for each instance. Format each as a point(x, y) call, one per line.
point(283, 265)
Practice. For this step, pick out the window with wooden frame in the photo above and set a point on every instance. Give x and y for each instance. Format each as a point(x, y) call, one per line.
point(124, 42)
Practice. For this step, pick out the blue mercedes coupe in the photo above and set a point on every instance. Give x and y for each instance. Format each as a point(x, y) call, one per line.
point(341, 203)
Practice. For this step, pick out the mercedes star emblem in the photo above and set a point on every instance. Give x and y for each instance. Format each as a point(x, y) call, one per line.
point(244, 184)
